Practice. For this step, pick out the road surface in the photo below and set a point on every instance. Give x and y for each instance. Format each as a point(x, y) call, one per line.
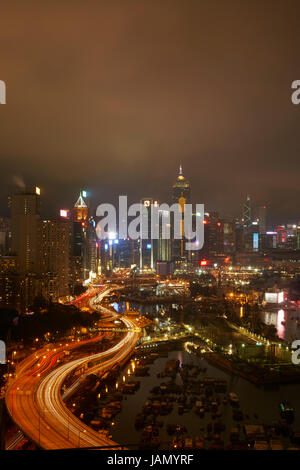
point(34, 398)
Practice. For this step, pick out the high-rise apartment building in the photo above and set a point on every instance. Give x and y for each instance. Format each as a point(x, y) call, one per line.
point(56, 236)
point(25, 219)
point(9, 282)
point(5, 236)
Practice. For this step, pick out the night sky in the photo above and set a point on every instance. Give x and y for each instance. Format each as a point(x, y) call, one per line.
point(111, 96)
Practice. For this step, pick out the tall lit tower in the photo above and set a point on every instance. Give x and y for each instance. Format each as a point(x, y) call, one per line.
point(145, 243)
point(80, 210)
point(246, 214)
point(84, 236)
point(181, 189)
point(181, 194)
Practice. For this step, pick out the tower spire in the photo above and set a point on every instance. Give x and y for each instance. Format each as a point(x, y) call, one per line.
point(180, 170)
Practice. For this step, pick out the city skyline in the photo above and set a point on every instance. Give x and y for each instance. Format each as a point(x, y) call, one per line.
point(149, 228)
point(50, 210)
point(144, 88)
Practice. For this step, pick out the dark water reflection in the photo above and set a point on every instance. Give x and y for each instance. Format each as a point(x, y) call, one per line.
point(287, 322)
point(263, 402)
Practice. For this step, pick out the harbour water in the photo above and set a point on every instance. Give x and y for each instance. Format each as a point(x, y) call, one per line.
point(287, 322)
point(259, 405)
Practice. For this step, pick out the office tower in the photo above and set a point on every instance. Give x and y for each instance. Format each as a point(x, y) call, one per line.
point(158, 248)
point(105, 252)
point(213, 237)
point(298, 236)
point(281, 235)
point(79, 216)
point(76, 274)
point(164, 268)
point(181, 194)
point(84, 237)
point(5, 236)
point(239, 235)
point(78, 239)
point(262, 218)
point(246, 213)
point(56, 236)
point(146, 248)
point(229, 235)
point(192, 256)
point(80, 210)
point(127, 253)
point(89, 248)
point(216, 234)
point(251, 237)
point(76, 257)
point(291, 237)
point(25, 218)
point(181, 189)
point(110, 256)
point(251, 228)
point(267, 240)
point(162, 246)
point(31, 286)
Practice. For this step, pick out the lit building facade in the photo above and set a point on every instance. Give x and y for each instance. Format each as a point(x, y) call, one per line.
point(56, 236)
point(181, 194)
point(9, 282)
point(25, 219)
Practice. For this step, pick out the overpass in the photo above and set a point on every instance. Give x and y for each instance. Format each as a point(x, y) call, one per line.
point(34, 400)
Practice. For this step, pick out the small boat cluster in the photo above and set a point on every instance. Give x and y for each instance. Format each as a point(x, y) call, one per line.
point(182, 389)
point(188, 390)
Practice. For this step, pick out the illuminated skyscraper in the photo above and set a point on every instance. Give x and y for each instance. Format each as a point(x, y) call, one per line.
point(90, 248)
point(246, 213)
point(146, 247)
point(154, 249)
point(181, 194)
point(84, 236)
point(262, 216)
point(56, 235)
point(162, 245)
point(80, 210)
point(229, 235)
point(25, 217)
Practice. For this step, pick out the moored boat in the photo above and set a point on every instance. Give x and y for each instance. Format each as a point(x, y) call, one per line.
point(286, 411)
point(233, 398)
